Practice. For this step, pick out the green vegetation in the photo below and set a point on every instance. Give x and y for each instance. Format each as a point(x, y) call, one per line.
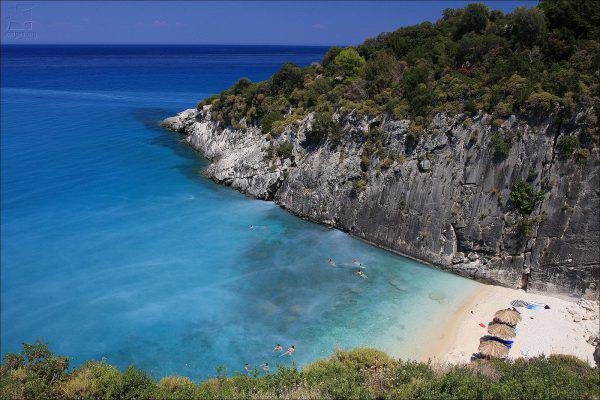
point(37, 373)
point(567, 146)
point(536, 61)
point(501, 146)
point(284, 150)
point(528, 224)
point(525, 197)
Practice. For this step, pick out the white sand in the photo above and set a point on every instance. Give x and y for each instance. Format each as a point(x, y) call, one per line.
point(552, 331)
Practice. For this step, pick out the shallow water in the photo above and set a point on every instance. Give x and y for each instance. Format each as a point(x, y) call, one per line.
point(114, 245)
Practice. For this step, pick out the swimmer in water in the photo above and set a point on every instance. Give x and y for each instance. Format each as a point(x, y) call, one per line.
point(360, 273)
point(278, 347)
point(290, 350)
point(246, 367)
point(331, 261)
point(265, 367)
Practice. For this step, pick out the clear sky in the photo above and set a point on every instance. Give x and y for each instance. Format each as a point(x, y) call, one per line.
point(212, 22)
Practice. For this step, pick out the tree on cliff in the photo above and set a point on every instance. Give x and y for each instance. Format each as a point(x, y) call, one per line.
point(535, 61)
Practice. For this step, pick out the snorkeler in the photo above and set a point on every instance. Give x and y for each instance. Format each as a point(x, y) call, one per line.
point(278, 347)
point(290, 350)
point(360, 273)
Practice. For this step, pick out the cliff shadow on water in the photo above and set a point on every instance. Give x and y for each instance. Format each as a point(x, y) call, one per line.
point(150, 118)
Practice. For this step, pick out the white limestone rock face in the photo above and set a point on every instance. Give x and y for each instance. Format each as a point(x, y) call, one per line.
point(444, 200)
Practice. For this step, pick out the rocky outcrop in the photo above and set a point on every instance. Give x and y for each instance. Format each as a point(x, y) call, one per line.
point(443, 198)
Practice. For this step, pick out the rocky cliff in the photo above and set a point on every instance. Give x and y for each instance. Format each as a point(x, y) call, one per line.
point(444, 198)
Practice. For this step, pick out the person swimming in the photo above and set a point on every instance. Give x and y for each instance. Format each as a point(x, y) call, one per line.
point(290, 350)
point(246, 367)
point(359, 272)
point(278, 347)
point(265, 367)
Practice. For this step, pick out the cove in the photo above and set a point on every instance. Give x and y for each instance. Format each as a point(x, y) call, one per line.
point(114, 245)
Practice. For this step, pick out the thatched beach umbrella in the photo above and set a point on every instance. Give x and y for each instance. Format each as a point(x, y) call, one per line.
point(502, 331)
point(492, 348)
point(508, 316)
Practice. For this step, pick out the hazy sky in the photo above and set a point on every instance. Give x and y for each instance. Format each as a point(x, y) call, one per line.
point(187, 22)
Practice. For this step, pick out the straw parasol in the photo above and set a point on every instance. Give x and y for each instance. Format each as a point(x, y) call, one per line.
point(492, 348)
point(508, 316)
point(502, 331)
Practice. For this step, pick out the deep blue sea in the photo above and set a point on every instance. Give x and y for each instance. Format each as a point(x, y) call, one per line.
point(114, 245)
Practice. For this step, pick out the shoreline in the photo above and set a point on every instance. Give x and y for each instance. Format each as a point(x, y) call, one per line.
point(563, 329)
point(462, 331)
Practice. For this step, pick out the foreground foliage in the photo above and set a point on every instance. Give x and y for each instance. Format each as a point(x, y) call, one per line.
point(534, 62)
point(362, 373)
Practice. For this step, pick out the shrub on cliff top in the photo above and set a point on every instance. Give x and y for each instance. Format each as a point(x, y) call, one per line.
point(348, 62)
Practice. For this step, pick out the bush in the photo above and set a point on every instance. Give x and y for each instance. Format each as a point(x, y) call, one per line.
point(323, 126)
point(528, 25)
point(567, 146)
point(288, 78)
point(525, 197)
point(269, 119)
point(348, 62)
point(330, 56)
point(284, 150)
point(543, 101)
point(527, 225)
point(474, 18)
point(501, 147)
point(360, 185)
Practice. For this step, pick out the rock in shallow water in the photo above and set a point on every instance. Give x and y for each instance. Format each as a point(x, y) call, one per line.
point(437, 296)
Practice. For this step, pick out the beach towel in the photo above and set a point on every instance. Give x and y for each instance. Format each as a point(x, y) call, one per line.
point(507, 343)
point(525, 304)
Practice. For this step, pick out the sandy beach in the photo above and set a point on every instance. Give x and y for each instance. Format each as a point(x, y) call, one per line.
point(565, 328)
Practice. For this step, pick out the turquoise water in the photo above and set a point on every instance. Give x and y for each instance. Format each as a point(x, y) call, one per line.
point(114, 245)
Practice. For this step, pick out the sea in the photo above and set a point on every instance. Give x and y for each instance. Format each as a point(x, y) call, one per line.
point(115, 247)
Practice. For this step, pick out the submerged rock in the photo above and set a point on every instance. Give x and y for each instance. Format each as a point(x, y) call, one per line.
point(437, 296)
